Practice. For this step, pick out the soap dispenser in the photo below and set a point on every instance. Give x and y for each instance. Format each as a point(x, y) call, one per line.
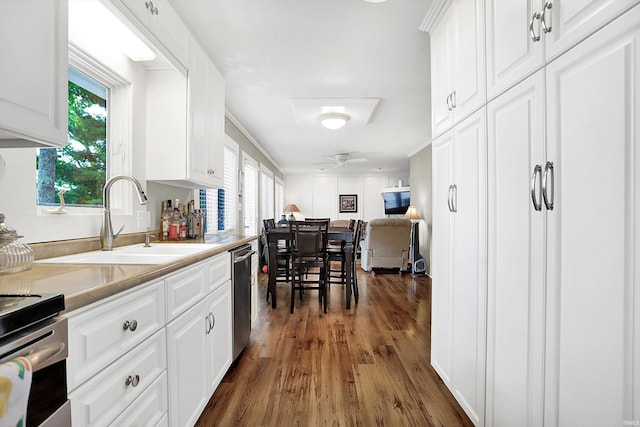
point(14, 256)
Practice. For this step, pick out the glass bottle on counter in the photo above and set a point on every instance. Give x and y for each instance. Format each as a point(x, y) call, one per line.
point(165, 217)
point(197, 225)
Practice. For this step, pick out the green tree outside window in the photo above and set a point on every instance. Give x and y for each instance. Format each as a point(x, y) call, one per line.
point(80, 166)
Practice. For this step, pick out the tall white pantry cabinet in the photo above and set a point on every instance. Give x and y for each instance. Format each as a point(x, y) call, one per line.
point(558, 331)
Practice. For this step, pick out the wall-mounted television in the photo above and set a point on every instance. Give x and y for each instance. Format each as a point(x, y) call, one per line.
point(396, 202)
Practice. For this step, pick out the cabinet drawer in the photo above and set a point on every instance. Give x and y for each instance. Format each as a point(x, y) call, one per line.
point(218, 270)
point(185, 289)
point(97, 334)
point(149, 409)
point(106, 395)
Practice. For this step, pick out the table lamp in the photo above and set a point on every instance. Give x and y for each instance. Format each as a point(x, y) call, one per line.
point(418, 264)
point(291, 209)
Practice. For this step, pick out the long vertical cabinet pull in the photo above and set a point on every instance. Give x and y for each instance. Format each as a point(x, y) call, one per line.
point(536, 17)
point(546, 22)
point(454, 198)
point(548, 190)
point(537, 203)
point(450, 198)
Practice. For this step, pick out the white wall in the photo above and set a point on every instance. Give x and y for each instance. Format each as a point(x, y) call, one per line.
point(317, 194)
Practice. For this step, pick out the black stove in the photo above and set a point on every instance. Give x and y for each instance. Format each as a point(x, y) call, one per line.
point(19, 311)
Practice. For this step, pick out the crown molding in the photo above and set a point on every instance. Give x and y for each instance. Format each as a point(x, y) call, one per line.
point(435, 12)
point(250, 137)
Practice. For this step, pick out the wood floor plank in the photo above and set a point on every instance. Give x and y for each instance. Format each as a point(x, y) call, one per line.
point(367, 366)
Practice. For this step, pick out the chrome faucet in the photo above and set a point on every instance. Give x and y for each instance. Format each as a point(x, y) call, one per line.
point(106, 232)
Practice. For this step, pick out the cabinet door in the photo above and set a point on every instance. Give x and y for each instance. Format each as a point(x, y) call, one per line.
point(593, 136)
point(187, 362)
point(442, 256)
point(164, 23)
point(511, 53)
point(469, 272)
point(515, 300)
point(573, 20)
point(441, 75)
point(219, 336)
point(33, 78)
point(469, 80)
point(205, 152)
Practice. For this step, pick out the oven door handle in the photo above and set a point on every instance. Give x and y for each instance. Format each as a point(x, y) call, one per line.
point(42, 355)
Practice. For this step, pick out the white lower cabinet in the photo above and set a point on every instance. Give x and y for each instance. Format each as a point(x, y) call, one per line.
point(154, 355)
point(101, 399)
point(149, 410)
point(219, 336)
point(188, 365)
point(199, 348)
point(459, 272)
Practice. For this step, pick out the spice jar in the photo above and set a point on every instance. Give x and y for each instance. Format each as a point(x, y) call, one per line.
point(14, 256)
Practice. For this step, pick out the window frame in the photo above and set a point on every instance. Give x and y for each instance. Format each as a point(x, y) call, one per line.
point(119, 133)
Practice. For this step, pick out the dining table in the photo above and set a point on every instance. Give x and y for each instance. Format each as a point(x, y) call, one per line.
point(279, 234)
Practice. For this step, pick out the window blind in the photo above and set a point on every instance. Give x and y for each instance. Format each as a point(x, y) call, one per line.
point(250, 195)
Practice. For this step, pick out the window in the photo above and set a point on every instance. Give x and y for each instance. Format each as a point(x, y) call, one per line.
point(100, 134)
point(250, 195)
point(220, 204)
point(266, 193)
point(279, 196)
point(77, 170)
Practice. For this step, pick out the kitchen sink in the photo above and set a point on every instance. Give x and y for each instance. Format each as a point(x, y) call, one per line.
point(156, 254)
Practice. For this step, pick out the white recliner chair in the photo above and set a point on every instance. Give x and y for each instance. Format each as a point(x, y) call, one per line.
point(386, 244)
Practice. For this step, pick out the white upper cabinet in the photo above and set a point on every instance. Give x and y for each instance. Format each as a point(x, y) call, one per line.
point(458, 64)
point(512, 53)
point(524, 35)
point(185, 124)
point(33, 78)
point(206, 119)
point(568, 22)
point(164, 24)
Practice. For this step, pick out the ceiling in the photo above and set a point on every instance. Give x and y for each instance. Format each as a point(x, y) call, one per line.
point(278, 55)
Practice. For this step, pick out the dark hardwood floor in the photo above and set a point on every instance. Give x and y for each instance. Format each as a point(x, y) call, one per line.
point(368, 366)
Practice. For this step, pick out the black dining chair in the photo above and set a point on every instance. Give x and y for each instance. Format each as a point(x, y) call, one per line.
point(337, 254)
point(309, 259)
point(283, 255)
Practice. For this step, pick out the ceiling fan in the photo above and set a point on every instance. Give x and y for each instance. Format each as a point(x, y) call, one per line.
point(341, 159)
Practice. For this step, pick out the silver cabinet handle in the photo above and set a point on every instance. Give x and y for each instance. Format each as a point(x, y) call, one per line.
point(132, 380)
point(454, 198)
point(450, 198)
point(548, 190)
point(211, 322)
point(130, 325)
point(449, 104)
point(153, 9)
point(534, 37)
point(537, 203)
point(453, 100)
point(546, 23)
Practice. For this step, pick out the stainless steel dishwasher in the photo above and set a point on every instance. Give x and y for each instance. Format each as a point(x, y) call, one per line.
point(241, 289)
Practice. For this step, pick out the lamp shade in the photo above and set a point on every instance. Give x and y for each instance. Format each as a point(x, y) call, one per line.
point(412, 214)
point(291, 208)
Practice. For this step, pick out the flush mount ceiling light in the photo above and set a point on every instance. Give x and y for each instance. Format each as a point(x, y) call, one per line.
point(333, 120)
